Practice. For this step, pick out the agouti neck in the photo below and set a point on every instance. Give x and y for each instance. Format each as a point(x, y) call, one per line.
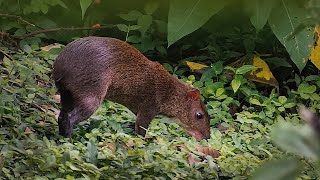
point(172, 96)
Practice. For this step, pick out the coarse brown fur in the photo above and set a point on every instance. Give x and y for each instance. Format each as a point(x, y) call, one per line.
point(92, 69)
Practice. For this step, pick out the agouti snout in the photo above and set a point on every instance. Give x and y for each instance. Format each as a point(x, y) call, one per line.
point(92, 69)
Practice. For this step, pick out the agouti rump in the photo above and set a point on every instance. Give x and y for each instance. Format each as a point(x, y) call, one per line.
point(92, 69)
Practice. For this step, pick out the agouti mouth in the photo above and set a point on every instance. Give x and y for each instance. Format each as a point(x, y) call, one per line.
point(197, 134)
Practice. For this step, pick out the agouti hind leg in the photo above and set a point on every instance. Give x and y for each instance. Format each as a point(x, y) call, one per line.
point(81, 110)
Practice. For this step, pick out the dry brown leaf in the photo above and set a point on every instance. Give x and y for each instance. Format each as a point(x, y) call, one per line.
point(96, 26)
point(51, 46)
point(28, 131)
point(192, 159)
point(56, 98)
point(208, 151)
point(110, 146)
point(41, 123)
point(130, 144)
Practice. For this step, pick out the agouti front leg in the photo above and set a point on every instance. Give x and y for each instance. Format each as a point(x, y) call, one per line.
point(144, 117)
point(81, 111)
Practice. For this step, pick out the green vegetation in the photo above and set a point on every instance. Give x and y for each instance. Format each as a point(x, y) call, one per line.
point(254, 117)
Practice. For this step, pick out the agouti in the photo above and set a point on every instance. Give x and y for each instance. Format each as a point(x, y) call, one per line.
point(92, 69)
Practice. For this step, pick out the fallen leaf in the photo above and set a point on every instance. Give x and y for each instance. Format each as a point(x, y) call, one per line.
point(41, 123)
point(195, 66)
point(208, 151)
point(315, 50)
point(56, 98)
point(51, 46)
point(28, 131)
point(130, 144)
point(192, 159)
point(96, 26)
point(110, 146)
point(262, 74)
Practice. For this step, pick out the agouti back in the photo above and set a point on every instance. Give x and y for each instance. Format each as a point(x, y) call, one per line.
point(92, 69)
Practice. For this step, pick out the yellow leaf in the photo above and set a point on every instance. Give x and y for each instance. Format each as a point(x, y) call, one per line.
point(315, 51)
point(262, 74)
point(195, 66)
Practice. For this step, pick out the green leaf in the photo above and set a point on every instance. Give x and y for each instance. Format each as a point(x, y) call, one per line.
point(84, 4)
point(282, 99)
point(134, 27)
point(131, 16)
point(92, 152)
point(235, 84)
point(281, 169)
point(27, 48)
point(133, 39)
point(306, 88)
point(244, 69)
point(284, 19)
point(255, 101)
point(297, 140)
point(151, 7)
point(62, 4)
point(289, 105)
point(219, 92)
point(186, 16)
point(259, 12)
point(123, 27)
point(144, 21)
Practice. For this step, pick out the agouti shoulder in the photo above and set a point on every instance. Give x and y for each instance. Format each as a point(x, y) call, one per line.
point(92, 69)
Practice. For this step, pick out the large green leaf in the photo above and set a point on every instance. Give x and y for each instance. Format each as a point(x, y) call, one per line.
point(284, 19)
point(84, 6)
point(186, 16)
point(281, 169)
point(259, 12)
point(297, 140)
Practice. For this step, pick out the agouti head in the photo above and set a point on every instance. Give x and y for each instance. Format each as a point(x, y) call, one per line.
point(195, 120)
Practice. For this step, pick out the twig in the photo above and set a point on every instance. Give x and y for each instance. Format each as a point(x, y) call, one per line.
point(19, 18)
point(7, 55)
point(62, 29)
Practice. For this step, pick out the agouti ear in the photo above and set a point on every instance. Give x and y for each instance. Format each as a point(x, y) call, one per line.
point(194, 94)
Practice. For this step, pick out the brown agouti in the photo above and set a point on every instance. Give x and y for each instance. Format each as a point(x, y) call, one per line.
point(92, 69)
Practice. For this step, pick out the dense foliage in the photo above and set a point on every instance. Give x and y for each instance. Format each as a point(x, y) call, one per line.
point(251, 123)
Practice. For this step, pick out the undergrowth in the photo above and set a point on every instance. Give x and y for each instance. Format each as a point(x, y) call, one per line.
point(106, 147)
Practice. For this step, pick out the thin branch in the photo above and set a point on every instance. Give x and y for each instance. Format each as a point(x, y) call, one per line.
point(62, 29)
point(7, 55)
point(19, 18)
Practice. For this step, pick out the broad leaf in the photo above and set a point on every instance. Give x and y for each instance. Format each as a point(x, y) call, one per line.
point(259, 12)
point(144, 21)
point(284, 19)
point(315, 51)
point(186, 16)
point(84, 6)
point(297, 140)
point(278, 170)
point(244, 69)
point(92, 152)
point(235, 84)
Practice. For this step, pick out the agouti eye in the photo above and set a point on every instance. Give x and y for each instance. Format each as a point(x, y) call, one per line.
point(199, 115)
